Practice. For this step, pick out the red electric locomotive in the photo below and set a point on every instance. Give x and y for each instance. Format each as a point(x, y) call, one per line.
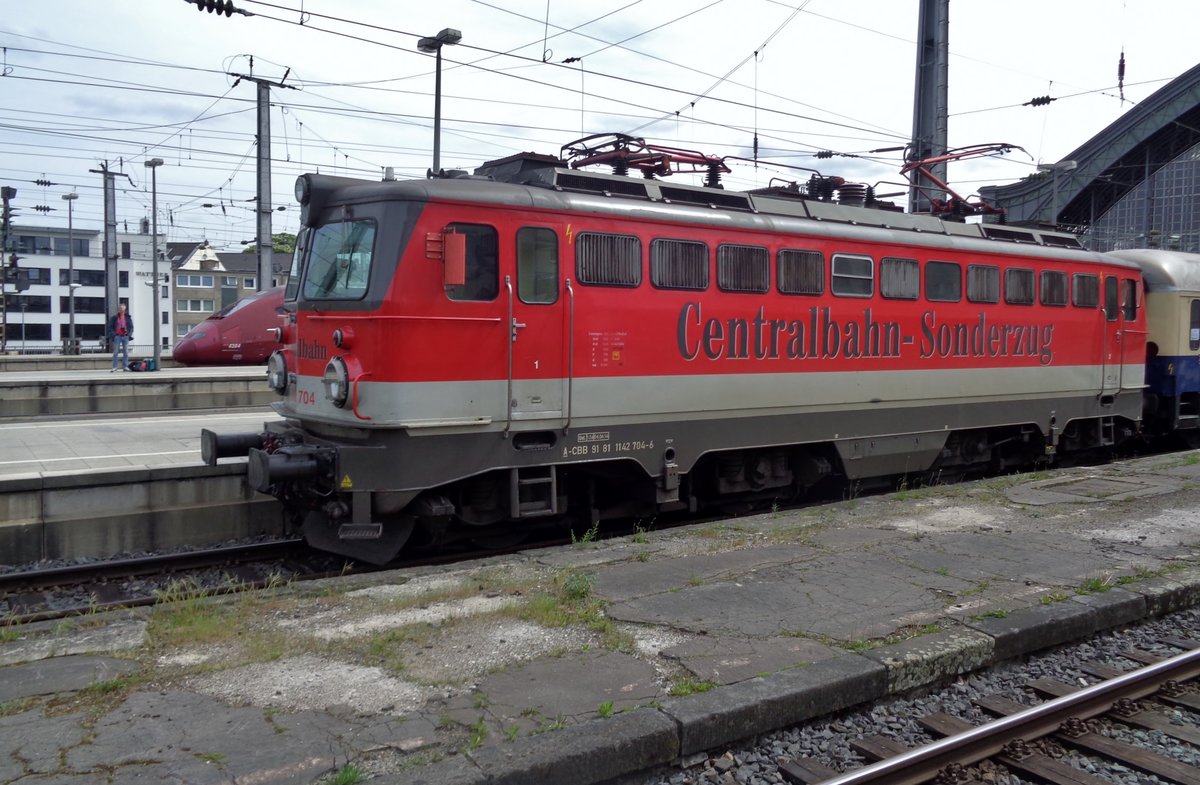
point(534, 340)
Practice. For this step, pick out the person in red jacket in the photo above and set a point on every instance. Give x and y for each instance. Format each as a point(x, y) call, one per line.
point(120, 331)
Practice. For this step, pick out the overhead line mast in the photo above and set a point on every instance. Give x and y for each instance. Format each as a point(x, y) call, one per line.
point(264, 245)
point(930, 104)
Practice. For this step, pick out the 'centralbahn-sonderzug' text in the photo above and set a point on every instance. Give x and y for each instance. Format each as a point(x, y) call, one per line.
point(822, 336)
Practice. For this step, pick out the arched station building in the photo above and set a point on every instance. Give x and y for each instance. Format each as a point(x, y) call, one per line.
point(1136, 184)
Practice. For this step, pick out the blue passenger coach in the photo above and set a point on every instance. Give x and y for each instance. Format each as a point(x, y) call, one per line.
point(1172, 284)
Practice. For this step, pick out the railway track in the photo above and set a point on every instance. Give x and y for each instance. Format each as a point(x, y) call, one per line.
point(1027, 741)
point(60, 592)
point(74, 590)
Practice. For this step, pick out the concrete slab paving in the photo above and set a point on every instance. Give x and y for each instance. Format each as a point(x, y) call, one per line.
point(61, 674)
point(490, 672)
point(120, 636)
point(206, 741)
point(730, 660)
point(552, 690)
point(1090, 489)
point(810, 597)
point(31, 743)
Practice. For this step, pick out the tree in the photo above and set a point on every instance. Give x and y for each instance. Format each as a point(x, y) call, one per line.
point(282, 243)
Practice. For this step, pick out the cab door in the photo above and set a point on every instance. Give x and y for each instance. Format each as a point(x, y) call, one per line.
point(1114, 349)
point(537, 369)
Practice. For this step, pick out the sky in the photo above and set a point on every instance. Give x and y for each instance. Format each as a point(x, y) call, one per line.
point(85, 84)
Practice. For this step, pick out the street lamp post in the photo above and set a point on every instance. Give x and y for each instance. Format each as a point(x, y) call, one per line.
point(153, 165)
point(448, 37)
point(70, 199)
point(1054, 169)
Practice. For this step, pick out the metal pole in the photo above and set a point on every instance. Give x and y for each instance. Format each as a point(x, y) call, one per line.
point(154, 163)
point(111, 275)
point(265, 242)
point(930, 98)
point(437, 115)
point(70, 199)
point(7, 193)
point(434, 44)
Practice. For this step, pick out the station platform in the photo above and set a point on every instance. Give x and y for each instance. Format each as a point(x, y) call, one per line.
point(594, 662)
point(82, 388)
point(96, 443)
point(89, 487)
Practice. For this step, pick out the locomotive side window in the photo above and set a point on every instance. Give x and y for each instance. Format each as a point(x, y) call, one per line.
point(537, 265)
point(1194, 327)
point(293, 283)
point(983, 283)
point(1130, 301)
point(608, 259)
point(800, 272)
point(743, 268)
point(1085, 292)
point(1054, 287)
point(943, 282)
point(1018, 286)
point(679, 264)
point(853, 276)
point(339, 265)
point(483, 264)
point(1112, 299)
point(899, 279)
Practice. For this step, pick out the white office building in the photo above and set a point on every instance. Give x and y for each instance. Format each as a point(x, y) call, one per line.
point(38, 320)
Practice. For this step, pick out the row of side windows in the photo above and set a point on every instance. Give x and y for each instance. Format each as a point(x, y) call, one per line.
point(608, 259)
point(615, 260)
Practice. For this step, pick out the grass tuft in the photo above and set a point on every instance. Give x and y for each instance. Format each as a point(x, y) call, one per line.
point(348, 775)
point(689, 686)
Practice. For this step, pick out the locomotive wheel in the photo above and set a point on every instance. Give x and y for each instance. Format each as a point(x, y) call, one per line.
point(322, 534)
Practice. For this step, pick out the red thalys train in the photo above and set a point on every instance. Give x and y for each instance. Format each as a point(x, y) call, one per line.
point(239, 334)
point(535, 340)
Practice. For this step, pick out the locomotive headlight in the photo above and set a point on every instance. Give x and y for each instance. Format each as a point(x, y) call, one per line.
point(336, 382)
point(343, 337)
point(277, 372)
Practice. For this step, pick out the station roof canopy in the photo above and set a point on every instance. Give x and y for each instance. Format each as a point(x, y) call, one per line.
point(1111, 163)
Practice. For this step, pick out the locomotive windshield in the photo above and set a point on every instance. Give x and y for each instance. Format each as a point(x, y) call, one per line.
point(339, 264)
point(293, 282)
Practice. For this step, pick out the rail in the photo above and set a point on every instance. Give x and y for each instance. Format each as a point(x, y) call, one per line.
point(973, 745)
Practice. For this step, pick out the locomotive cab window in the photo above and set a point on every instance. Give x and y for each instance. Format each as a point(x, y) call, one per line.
point(800, 272)
point(1054, 288)
point(743, 268)
point(1112, 299)
point(1130, 301)
point(943, 282)
point(679, 264)
point(483, 264)
point(537, 265)
point(1085, 293)
point(899, 279)
point(853, 276)
point(608, 259)
point(983, 283)
point(339, 266)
